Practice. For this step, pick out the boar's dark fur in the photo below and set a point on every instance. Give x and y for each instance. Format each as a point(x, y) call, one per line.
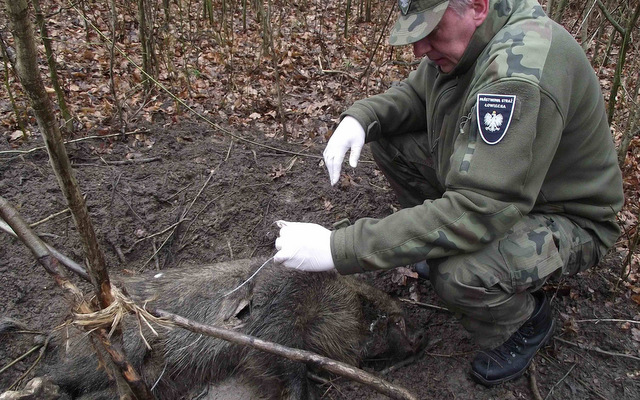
point(321, 312)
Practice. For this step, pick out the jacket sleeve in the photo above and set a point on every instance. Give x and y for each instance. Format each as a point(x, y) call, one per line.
point(400, 109)
point(488, 189)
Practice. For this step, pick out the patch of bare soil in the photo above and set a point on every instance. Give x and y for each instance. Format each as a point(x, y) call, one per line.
point(229, 193)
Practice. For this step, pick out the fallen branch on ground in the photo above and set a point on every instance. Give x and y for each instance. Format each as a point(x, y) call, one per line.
point(23, 152)
point(560, 381)
point(598, 320)
point(66, 261)
point(533, 382)
point(417, 303)
point(596, 350)
point(305, 356)
point(50, 217)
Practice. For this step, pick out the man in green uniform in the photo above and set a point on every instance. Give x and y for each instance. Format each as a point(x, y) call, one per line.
point(499, 151)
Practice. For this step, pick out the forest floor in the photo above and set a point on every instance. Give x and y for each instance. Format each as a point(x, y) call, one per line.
point(230, 193)
point(231, 175)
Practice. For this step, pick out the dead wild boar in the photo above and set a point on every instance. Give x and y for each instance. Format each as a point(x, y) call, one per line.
point(338, 317)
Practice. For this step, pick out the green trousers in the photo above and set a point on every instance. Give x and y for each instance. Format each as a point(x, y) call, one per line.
point(488, 290)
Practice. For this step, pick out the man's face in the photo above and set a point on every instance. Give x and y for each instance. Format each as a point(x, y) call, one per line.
point(450, 38)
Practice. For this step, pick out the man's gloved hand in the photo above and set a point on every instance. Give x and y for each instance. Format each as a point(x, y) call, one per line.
point(348, 135)
point(304, 246)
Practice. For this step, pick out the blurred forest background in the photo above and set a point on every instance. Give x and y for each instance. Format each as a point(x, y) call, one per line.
point(274, 68)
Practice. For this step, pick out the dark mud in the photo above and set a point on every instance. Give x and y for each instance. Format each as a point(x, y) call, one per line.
point(228, 193)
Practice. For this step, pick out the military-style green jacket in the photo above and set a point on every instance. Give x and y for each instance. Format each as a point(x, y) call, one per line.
point(548, 149)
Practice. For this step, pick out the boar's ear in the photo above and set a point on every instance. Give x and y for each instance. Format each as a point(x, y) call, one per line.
point(373, 296)
point(236, 305)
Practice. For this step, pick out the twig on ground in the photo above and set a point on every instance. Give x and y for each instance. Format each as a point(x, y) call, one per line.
point(417, 303)
point(22, 357)
point(230, 249)
point(229, 151)
point(213, 171)
point(155, 254)
point(560, 381)
point(130, 249)
point(378, 187)
point(318, 379)
point(131, 208)
point(23, 152)
point(113, 190)
point(402, 363)
point(118, 251)
point(596, 350)
point(598, 320)
point(133, 161)
point(332, 71)
point(185, 245)
point(590, 388)
point(177, 193)
point(50, 217)
point(195, 218)
point(327, 382)
point(43, 348)
point(182, 217)
point(452, 355)
point(532, 381)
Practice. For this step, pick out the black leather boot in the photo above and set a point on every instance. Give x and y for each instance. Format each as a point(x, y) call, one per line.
point(509, 360)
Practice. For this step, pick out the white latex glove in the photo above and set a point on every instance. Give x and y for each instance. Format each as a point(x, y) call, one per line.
point(304, 246)
point(348, 135)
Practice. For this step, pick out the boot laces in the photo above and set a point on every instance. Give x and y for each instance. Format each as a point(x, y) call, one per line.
point(514, 344)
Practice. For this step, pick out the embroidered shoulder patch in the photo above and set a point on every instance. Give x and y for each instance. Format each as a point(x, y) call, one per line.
point(494, 112)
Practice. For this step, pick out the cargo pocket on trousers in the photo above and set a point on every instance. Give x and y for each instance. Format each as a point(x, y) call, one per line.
point(583, 252)
point(531, 256)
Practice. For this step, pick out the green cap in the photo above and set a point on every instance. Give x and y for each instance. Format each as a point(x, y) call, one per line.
point(417, 19)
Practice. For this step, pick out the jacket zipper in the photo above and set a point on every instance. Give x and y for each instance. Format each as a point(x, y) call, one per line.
point(436, 139)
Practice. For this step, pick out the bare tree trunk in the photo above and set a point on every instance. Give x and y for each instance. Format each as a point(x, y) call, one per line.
point(83, 6)
point(51, 61)
point(147, 63)
point(14, 105)
point(584, 24)
point(622, 54)
point(26, 66)
point(633, 124)
point(347, 12)
point(551, 5)
point(559, 11)
point(112, 60)
point(267, 30)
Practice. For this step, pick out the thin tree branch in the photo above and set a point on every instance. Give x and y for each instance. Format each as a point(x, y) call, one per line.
point(609, 18)
point(308, 357)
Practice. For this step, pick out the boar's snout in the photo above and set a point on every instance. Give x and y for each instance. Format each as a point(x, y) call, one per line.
point(393, 337)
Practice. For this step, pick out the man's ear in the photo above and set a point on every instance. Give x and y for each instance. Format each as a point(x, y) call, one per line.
point(480, 11)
